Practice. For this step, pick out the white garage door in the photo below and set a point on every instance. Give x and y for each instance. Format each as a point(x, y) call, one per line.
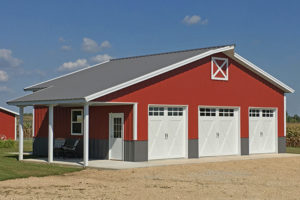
point(262, 131)
point(166, 132)
point(218, 131)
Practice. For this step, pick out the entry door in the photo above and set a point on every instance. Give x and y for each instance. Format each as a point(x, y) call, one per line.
point(166, 133)
point(262, 131)
point(218, 131)
point(116, 136)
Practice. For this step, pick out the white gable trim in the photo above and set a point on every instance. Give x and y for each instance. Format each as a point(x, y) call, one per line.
point(10, 111)
point(262, 73)
point(156, 73)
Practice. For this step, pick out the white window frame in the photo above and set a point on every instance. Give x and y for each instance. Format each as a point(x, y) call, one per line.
point(81, 110)
point(219, 68)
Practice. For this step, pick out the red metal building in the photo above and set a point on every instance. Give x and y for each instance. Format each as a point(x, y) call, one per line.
point(8, 120)
point(194, 103)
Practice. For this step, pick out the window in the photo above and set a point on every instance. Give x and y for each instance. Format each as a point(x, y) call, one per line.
point(267, 113)
point(254, 113)
point(219, 68)
point(76, 122)
point(226, 112)
point(117, 127)
point(175, 111)
point(156, 111)
point(207, 112)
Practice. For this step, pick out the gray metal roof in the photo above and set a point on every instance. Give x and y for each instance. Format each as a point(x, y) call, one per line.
point(103, 76)
point(87, 84)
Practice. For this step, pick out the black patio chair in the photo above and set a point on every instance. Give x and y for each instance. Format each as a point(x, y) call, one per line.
point(58, 144)
point(69, 148)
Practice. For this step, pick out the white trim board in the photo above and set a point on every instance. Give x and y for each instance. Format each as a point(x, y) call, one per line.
point(10, 111)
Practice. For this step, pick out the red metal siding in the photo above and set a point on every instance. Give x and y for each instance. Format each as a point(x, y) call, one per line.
point(7, 124)
point(192, 85)
point(99, 121)
point(40, 121)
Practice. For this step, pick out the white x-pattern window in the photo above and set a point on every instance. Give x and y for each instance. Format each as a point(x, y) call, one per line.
point(219, 68)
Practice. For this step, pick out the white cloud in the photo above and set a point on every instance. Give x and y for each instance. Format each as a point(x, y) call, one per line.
point(7, 60)
point(69, 66)
point(3, 76)
point(5, 89)
point(92, 46)
point(101, 58)
point(105, 44)
point(61, 39)
point(194, 19)
point(66, 47)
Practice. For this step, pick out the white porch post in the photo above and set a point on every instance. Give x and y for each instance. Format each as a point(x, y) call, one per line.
point(86, 136)
point(33, 122)
point(21, 112)
point(135, 121)
point(50, 135)
point(284, 110)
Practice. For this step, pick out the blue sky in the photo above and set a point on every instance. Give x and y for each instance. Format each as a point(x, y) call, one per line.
point(43, 39)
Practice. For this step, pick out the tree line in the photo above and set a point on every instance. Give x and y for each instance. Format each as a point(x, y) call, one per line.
point(292, 119)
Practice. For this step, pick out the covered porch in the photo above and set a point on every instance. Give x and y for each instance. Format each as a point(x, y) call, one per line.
point(116, 135)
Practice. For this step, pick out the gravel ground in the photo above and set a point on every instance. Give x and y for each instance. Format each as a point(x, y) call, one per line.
point(272, 178)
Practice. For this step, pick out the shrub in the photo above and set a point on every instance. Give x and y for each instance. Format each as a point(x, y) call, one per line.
point(293, 136)
point(7, 143)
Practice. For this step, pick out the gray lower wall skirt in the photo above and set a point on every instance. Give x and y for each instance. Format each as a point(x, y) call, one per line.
point(136, 151)
point(281, 144)
point(98, 149)
point(244, 146)
point(193, 148)
point(40, 146)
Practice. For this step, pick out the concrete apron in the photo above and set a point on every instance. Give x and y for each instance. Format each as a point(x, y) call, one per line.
point(117, 165)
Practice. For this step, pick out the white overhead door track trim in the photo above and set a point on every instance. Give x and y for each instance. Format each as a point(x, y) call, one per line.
point(216, 116)
point(257, 148)
point(166, 121)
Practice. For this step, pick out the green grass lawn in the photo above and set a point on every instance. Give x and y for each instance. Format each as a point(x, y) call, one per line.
point(293, 150)
point(11, 168)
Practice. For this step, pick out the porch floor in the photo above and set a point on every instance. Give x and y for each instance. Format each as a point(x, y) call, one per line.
point(116, 165)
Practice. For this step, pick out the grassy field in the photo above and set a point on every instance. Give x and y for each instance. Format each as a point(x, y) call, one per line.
point(11, 168)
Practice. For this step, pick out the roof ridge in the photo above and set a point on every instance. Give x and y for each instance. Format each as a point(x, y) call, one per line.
point(179, 51)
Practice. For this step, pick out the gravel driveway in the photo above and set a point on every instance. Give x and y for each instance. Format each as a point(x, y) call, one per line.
point(272, 178)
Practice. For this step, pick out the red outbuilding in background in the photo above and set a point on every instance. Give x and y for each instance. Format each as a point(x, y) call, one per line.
point(8, 120)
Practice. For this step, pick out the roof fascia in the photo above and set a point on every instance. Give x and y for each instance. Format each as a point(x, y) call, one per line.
point(47, 102)
point(262, 73)
point(10, 111)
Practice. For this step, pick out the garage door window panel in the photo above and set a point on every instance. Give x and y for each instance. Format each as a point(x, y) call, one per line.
point(226, 112)
point(156, 111)
point(254, 113)
point(207, 112)
point(175, 111)
point(267, 113)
